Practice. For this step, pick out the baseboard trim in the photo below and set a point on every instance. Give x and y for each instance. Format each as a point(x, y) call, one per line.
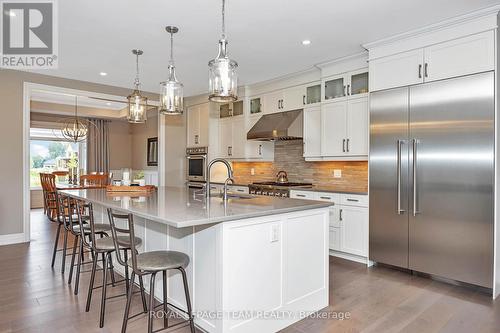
point(12, 239)
point(352, 257)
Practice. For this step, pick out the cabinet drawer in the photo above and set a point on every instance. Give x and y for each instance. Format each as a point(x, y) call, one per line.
point(359, 200)
point(329, 197)
point(307, 195)
point(239, 189)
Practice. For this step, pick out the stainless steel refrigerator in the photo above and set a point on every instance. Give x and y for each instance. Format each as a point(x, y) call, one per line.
point(431, 183)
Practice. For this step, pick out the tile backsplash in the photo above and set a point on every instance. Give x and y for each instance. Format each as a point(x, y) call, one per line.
point(288, 157)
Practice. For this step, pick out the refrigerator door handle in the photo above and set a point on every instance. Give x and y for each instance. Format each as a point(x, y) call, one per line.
point(414, 161)
point(399, 146)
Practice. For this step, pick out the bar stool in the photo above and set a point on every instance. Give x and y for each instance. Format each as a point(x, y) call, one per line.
point(150, 263)
point(71, 217)
point(104, 246)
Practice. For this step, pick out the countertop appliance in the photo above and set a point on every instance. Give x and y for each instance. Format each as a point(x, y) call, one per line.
point(275, 189)
point(282, 177)
point(196, 164)
point(432, 178)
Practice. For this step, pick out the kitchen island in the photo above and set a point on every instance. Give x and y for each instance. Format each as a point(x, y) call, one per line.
point(258, 263)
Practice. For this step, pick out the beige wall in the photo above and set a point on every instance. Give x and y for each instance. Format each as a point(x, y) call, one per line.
point(11, 138)
point(120, 145)
point(139, 142)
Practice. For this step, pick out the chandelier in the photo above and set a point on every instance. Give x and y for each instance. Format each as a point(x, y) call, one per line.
point(222, 77)
point(137, 103)
point(75, 129)
point(171, 94)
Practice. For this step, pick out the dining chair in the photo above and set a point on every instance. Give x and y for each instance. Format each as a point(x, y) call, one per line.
point(94, 180)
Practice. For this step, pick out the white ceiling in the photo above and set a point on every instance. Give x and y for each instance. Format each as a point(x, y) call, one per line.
point(68, 99)
point(264, 35)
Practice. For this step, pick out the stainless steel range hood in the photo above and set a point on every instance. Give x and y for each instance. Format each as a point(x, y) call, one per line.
point(278, 126)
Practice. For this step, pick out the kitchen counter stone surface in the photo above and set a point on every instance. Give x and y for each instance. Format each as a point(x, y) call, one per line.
point(182, 207)
point(329, 189)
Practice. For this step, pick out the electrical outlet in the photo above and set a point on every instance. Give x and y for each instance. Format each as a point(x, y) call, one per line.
point(275, 233)
point(252, 171)
point(337, 173)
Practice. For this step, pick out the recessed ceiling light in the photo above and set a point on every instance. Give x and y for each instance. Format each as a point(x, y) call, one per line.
point(306, 42)
point(103, 73)
point(108, 103)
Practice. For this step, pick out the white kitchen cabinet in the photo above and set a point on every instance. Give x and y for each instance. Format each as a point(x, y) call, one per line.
point(225, 137)
point(402, 69)
point(457, 57)
point(354, 231)
point(348, 222)
point(239, 137)
point(197, 125)
point(312, 132)
point(313, 93)
point(344, 86)
point(273, 102)
point(357, 127)
point(293, 98)
point(335, 241)
point(462, 56)
point(333, 128)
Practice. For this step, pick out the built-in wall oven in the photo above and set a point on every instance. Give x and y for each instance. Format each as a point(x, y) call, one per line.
point(196, 164)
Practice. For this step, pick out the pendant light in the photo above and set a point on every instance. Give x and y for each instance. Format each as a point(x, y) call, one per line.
point(137, 103)
point(75, 129)
point(222, 77)
point(172, 91)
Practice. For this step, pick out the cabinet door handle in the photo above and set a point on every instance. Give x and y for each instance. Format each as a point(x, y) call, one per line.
point(353, 200)
point(282, 104)
point(260, 150)
point(426, 66)
point(196, 139)
point(340, 215)
point(325, 198)
point(345, 92)
point(303, 99)
point(347, 145)
point(343, 145)
point(419, 71)
point(348, 89)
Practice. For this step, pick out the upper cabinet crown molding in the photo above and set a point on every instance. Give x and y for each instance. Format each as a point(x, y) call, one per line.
point(457, 27)
point(344, 64)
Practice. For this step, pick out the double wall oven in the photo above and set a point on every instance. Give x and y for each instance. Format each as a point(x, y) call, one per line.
point(196, 165)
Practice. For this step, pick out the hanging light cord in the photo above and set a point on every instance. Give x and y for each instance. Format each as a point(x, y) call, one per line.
point(223, 19)
point(171, 49)
point(76, 108)
point(137, 82)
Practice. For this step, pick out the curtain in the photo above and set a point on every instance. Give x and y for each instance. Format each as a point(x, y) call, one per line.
point(98, 146)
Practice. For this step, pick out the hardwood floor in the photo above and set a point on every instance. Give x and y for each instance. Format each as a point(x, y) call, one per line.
point(35, 298)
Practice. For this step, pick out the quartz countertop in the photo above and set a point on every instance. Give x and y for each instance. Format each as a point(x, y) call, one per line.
point(182, 207)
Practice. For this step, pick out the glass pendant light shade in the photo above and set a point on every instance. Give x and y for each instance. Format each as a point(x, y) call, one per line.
point(222, 75)
point(171, 91)
point(137, 103)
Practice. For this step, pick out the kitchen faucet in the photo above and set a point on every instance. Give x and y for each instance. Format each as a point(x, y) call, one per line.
point(229, 176)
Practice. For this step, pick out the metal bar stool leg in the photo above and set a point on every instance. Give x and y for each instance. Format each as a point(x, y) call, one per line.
point(165, 305)
point(78, 266)
point(65, 241)
point(188, 299)
point(104, 284)
point(55, 245)
point(91, 284)
point(143, 294)
point(151, 302)
point(127, 306)
point(112, 270)
point(75, 243)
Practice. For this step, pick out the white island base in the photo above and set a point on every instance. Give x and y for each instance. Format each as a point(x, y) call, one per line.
point(259, 274)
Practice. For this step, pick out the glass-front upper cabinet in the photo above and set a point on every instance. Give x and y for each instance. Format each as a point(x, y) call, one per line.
point(231, 109)
point(359, 84)
point(335, 87)
point(255, 105)
point(313, 94)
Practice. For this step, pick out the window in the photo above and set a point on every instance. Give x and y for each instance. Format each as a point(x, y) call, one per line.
point(48, 153)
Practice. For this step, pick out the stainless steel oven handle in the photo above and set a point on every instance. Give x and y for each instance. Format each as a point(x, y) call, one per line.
point(399, 146)
point(414, 162)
